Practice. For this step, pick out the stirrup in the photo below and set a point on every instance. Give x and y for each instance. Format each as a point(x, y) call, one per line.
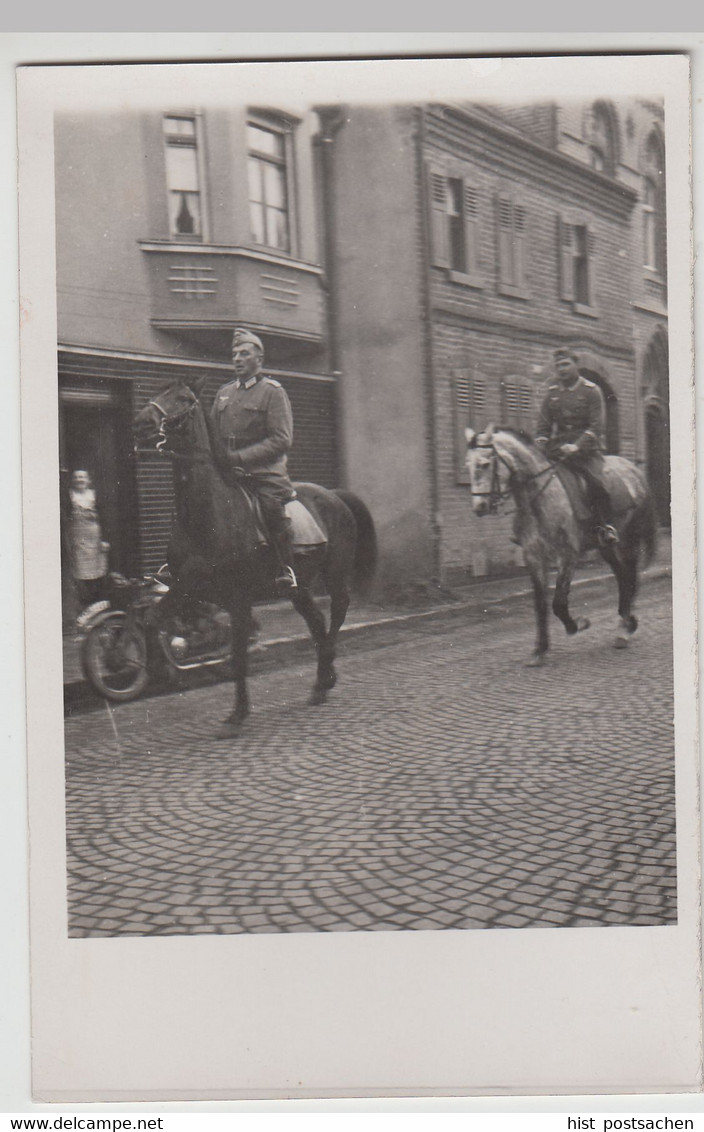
point(607, 535)
point(286, 580)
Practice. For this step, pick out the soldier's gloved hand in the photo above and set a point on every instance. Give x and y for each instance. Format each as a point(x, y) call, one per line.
point(568, 449)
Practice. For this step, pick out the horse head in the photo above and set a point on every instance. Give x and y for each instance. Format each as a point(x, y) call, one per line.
point(163, 421)
point(488, 474)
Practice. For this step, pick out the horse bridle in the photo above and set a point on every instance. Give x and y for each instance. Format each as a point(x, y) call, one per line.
point(496, 493)
point(172, 423)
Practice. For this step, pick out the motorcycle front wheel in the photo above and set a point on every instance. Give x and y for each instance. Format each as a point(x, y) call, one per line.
point(114, 657)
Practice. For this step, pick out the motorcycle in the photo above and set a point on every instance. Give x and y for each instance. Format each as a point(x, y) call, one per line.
point(130, 636)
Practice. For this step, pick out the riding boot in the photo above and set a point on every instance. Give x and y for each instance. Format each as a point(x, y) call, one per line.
point(283, 545)
point(606, 532)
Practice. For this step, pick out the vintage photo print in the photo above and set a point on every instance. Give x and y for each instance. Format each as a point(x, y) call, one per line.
point(359, 496)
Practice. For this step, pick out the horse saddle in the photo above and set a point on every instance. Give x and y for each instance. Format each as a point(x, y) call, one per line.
point(306, 533)
point(578, 491)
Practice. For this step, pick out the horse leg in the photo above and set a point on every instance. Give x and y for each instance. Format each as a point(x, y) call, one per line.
point(303, 603)
point(624, 563)
point(560, 601)
point(241, 621)
point(339, 604)
point(539, 577)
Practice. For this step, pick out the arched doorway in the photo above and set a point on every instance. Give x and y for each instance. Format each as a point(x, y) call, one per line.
point(612, 439)
point(656, 396)
point(657, 444)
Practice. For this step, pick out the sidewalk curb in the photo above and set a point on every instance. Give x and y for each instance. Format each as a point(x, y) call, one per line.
point(278, 650)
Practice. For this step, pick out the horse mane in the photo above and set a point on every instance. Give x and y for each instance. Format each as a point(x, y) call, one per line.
point(520, 434)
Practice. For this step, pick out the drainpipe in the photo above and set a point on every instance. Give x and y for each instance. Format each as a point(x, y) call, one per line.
point(332, 119)
point(426, 322)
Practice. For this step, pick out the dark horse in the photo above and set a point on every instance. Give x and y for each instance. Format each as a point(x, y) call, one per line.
point(503, 463)
point(216, 551)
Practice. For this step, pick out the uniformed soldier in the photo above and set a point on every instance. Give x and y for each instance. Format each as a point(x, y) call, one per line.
point(253, 418)
point(571, 428)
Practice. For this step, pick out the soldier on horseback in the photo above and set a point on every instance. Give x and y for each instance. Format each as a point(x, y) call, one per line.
point(571, 427)
point(253, 419)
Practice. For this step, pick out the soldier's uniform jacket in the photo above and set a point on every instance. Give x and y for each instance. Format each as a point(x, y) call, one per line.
point(254, 420)
point(573, 415)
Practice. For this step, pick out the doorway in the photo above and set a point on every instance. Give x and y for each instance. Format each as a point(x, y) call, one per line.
point(657, 445)
point(95, 436)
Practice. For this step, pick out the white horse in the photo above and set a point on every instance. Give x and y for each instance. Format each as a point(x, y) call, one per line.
point(504, 463)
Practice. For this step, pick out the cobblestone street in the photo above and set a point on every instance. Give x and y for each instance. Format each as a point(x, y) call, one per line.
point(443, 786)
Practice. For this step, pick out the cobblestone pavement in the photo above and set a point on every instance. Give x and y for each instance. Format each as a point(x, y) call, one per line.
point(443, 786)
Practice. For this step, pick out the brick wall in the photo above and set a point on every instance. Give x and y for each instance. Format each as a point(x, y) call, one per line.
point(482, 329)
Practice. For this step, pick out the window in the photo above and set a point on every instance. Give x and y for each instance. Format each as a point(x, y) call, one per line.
point(577, 246)
point(602, 140)
point(268, 186)
point(511, 247)
point(653, 204)
point(470, 404)
point(182, 177)
point(517, 404)
point(650, 255)
point(454, 226)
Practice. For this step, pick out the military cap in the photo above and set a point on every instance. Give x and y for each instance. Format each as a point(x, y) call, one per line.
point(565, 352)
point(241, 337)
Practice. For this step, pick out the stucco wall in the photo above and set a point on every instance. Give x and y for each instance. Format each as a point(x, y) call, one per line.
point(378, 307)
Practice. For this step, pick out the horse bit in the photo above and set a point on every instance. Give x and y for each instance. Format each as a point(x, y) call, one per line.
point(174, 422)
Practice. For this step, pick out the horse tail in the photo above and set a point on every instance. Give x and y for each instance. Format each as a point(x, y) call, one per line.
point(366, 550)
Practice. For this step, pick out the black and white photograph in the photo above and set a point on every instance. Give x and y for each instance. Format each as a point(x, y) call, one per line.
point(359, 439)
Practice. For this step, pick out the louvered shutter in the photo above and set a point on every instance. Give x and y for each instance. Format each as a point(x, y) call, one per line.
point(520, 236)
point(565, 250)
point(591, 264)
point(510, 404)
point(462, 394)
point(504, 219)
point(525, 407)
point(438, 217)
point(471, 227)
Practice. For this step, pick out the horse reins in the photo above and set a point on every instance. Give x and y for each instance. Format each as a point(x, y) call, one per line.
point(496, 493)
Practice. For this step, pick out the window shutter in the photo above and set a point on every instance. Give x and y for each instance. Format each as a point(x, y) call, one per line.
point(479, 403)
point(505, 239)
point(462, 395)
point(438, 217)
point(471, 227)
point(519, 244)
point(510, 404)
point(526, 407)
point(591, 270)
point(565, 249)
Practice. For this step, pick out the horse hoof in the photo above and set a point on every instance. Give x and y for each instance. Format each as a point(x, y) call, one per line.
point(582, 624)
point(536, 661)
point(318, 696)
point(228, 731)
point(231, 725)
point(329, 681)
point(621, 643)
point(236, 717)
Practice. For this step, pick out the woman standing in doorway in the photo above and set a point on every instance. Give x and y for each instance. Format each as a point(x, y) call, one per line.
point(89, 553)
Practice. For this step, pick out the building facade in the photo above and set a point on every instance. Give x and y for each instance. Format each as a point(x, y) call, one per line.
point(173, 228)
point(502, 233)
point(410, 270)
